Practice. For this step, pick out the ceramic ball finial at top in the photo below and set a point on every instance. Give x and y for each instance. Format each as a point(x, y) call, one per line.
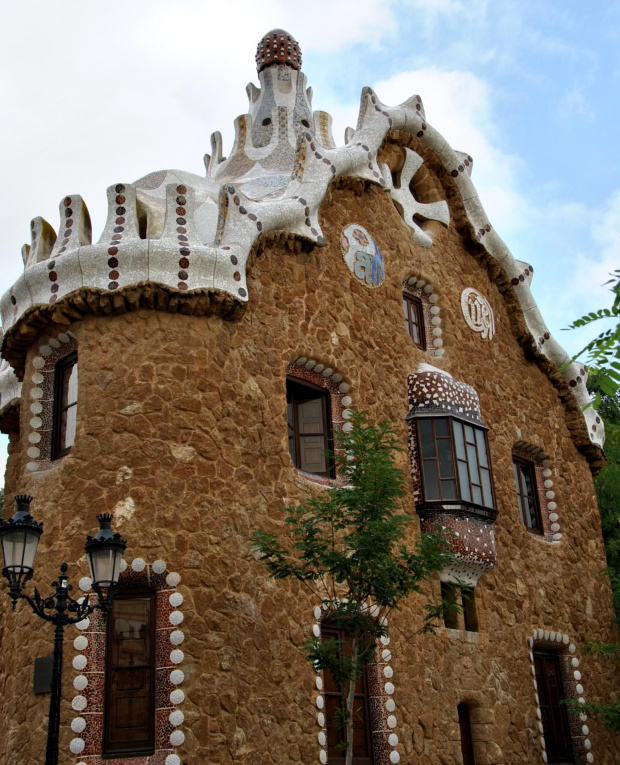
point(278, 47)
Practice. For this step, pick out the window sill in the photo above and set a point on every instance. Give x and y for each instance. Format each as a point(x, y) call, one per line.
point(321, 480)
point(543, 538)
point(462, 635)
point(427, 510)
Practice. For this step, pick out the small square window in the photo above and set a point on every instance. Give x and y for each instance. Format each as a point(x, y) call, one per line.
point(456, 601)
point(451, 606)
point(65, 405)
point(414, 319)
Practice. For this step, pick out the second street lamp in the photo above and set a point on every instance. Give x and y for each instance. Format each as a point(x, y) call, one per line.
point(19, 537)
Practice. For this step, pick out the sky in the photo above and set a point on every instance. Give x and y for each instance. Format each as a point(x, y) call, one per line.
point(101, 93)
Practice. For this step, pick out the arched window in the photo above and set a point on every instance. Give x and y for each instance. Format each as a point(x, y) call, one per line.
point(335, 703)
point(554, 714)
point(564, 737)
point(308, 417)
point(54, 401)
point(535, 496)
point(317, 404)
point(65, 405)
point(422, 316)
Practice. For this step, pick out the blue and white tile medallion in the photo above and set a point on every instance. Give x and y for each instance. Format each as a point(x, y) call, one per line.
point(362, 255)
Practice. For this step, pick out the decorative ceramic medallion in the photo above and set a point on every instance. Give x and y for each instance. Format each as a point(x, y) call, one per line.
point(478, 313)
point(362, 255)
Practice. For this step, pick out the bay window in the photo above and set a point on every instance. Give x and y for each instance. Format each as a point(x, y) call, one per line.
point(455, 464)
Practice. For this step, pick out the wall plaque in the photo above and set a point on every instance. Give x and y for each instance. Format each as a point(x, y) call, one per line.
point(362, 255)
point(478, 313)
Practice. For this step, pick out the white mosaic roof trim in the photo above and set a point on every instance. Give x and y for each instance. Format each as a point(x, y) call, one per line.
point(10, 387)
point(406, 203)
point(275, 178)
point(547, 639)
point(82, 667)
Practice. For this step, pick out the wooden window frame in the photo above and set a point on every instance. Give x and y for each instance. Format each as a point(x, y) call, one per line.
point(330, 631)
point(470, 612)
point(328, 440)
point(61, 370)
point(467, 741)
point(414, 308)
point(520, 463)
point(450, 595)
point(460, 600)
point(455, 460)
point(550, 730)
point(116, 751)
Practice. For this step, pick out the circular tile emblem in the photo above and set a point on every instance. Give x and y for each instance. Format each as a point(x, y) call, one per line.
point(478, 313)
point(362, 255)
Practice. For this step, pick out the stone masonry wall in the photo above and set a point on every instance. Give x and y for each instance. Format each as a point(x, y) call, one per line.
point(182, 433)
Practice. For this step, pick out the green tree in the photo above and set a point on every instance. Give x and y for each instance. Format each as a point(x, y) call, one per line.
point(348, 548)
point(603, 353)
point(604, 382)
point(607, 482)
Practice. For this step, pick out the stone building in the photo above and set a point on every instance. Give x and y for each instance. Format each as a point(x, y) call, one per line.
point(224, 327)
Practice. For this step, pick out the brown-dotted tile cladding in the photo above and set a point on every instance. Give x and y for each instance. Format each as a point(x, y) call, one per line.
point(151, 382)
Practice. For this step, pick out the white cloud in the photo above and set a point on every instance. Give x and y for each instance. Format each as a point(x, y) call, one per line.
point(438, 6)
point(574, 103)
point(460, 106)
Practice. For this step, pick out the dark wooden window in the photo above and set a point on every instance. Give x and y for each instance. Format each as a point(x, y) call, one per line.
point(554, 714)
point(527, 495)
point(457, 600)
point(467, 744)
point(455, 461)
point(470, 616)
point(65, 405)
point(450, 599)
point(129, 719)
point(334, 701)
point(414, 319)
point(309, 426)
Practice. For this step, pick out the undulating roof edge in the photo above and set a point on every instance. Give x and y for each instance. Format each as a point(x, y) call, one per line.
point(281, 165)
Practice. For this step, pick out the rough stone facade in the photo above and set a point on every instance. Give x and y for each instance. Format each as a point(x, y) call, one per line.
point(182, 433)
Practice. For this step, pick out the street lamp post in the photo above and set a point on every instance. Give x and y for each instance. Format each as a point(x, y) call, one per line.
point(19, 537)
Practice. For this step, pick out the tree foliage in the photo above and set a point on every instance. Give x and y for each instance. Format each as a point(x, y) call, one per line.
point(604, 382)
point(603, 352)
point(607, 483)
point(347, 546)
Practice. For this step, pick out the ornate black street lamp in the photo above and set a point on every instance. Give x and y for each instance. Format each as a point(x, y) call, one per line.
point(19, 537)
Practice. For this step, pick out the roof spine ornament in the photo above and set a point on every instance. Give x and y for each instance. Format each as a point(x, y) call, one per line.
point(281, 165)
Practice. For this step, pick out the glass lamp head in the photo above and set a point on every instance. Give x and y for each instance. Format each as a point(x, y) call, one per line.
point(19, 537)
point(104, 553)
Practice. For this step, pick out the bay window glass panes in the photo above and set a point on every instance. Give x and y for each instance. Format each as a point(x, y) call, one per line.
point(455, 461)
